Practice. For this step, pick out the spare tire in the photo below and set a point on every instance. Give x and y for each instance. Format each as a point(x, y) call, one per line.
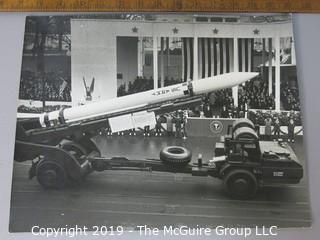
point(175, 156)
point(245, 133)
point(242, 122)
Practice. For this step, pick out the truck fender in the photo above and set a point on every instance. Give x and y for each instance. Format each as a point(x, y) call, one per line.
point(227, 167)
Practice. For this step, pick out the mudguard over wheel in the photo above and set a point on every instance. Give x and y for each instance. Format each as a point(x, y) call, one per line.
point(175, 156)
point(240, 184)
point(78, 149)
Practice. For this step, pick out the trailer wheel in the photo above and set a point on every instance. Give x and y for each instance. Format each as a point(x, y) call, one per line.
point(51, 174)
point(240, 184)
point(175, 156)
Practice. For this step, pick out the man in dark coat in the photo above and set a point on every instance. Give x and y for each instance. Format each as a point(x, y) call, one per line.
point(207, 110)
point(268, 123)
point(276, 129)
point(291, 126)
point(169, 125)
point(224, 112)
point(158, 125)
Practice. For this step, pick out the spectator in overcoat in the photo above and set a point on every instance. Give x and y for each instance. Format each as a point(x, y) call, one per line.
point(291, 126)
point(276, 129)
point(268, 131)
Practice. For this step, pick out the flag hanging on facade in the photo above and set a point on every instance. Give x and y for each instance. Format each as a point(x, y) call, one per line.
point(187, 59)
point(215, 56)
point(245, 53)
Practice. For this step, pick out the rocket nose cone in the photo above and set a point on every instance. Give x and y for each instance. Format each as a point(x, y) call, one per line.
point(222, 81)
point(242, 77)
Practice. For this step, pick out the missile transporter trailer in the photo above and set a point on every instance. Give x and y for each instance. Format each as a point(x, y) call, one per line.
point(64, 155)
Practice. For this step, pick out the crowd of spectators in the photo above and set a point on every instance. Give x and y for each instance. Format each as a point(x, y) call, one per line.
point(290, 97)
point(56, 86)
point(49, 108)
point(252, 95)
point(259, 117)
point(272, 121)
point(255, 94)
point(141, 84)
point(222, 98)
point(206, 110)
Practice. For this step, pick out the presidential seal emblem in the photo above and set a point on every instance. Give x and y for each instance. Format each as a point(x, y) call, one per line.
point(216, 127)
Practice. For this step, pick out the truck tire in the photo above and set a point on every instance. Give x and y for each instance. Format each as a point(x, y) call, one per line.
point(240, 184)
point(242, 122)
point(175, 156)
point(51, 174)
point(245, 133)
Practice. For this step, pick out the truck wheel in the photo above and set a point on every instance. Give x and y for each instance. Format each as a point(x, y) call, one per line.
point(175, 156)
point(51, 174)
point(240, 184)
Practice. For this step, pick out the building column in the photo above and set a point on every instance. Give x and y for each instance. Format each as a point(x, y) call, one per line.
point(206, 58)
point(243, 50)
point(195, 58)
point(270, 66)
point(293, 52)
point(224, 55)
point(277, 80)
point(140, 57)
point(168, 55)
point(161, 61)
point(188, 53)
point(263, 57)
point(200, 59)
point(155, 62)
point(235, 69)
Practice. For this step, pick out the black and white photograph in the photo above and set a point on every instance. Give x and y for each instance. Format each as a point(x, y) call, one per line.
point(159, 120)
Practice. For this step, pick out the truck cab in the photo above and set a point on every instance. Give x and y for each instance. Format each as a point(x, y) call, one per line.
point(245, 163)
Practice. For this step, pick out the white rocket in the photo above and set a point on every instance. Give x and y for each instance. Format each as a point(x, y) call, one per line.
point(130, 102)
